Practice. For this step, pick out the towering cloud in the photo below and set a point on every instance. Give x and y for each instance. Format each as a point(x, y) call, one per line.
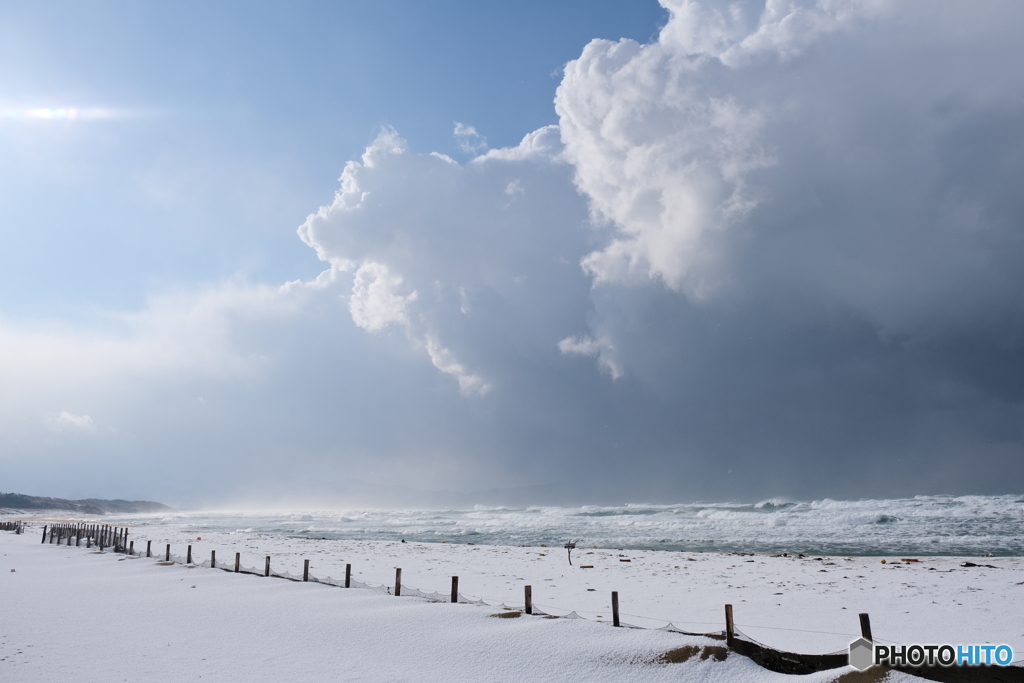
point(777, 250)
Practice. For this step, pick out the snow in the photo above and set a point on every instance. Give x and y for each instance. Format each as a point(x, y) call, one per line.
point(73, 614)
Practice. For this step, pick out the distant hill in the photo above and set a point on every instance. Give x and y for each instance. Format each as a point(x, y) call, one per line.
point(89, 506)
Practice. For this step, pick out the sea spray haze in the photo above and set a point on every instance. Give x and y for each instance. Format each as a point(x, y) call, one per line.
point(924, 525)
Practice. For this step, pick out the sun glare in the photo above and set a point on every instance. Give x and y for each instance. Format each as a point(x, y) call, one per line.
point(63, 113)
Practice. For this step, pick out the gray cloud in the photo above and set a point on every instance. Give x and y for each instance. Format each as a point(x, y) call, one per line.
point(775, 252)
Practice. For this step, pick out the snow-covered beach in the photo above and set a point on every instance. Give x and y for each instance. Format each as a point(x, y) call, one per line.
point(808, 604)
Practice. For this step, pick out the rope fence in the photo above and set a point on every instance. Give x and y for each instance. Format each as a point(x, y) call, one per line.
point(116, 540)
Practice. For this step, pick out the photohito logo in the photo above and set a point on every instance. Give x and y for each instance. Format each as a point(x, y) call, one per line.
point(865, 654)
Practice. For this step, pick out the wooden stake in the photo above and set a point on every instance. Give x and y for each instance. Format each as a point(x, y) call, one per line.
point(348, 576)
point(455, 589)
point(729, 629)
point(167, 558)
point(865, 626)
point(615, 608)
point(238, 561)
point(189, 559)
point(131, 547)
point(529, 599)
point(149, 548)
point(44, 533)
point(213, 559)
point(266, 572)
point(305, 570)
point(398, 581)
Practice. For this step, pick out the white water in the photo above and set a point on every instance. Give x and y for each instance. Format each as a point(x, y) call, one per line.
point(924, 525)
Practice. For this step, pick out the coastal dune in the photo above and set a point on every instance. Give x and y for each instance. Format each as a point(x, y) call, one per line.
point(74, 614)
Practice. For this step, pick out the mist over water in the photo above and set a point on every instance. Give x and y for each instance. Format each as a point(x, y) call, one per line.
point(924, 525)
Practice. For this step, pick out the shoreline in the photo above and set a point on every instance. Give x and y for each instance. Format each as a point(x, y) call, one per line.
point(799, 603)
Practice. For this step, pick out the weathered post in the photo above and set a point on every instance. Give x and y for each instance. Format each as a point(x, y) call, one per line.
point(398, 581)
point(729, 628)
point(45, 527)
point(455, 589)
point(348, 576)
point(213, 559)
point(88, 541)
point(167, 557)
point(238, 561)
point(189, 558)
point(131, 547)
point(149, 548)
point(305, 570)
point(266, 572)
point(125, 541)
point(529, 599)
point(865, 626)
point(78, 538)
point(615, 608)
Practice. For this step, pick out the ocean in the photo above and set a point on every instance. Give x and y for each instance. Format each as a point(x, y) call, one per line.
point(923, 525)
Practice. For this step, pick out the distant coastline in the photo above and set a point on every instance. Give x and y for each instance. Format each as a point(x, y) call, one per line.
point(89, 506)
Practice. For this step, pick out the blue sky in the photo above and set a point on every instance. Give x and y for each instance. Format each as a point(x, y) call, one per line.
point(579, 251)
point(237, 120)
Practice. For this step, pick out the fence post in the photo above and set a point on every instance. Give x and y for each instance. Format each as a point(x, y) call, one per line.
point(149, 545)
point(348, 576)
point(529, 599)
point(305, 570)
point(131, 547)
point(238, 561)
point(78, 538)
point(88, 541)
point(398, 581)
point(213, 559)
point(615, 608)
point(455, 589)
point(124, 540)
point(44, 533)
point(729, 628)
point(266, 572)
point(189, 559)
point(167, 558)
point(865, 626)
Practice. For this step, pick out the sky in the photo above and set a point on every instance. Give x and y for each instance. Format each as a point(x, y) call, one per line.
point(531, 252)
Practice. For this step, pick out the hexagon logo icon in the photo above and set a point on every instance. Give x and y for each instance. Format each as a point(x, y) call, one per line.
point(861, 651)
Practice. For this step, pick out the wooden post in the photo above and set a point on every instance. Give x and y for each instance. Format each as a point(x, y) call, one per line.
point(238, 561)
point(149, 548)
point(305, 570)
point(131, 547)
point(455, 589)
point(729, 629)
point(213, 559)
point(167, 558)
point(266, 572)
point(45, 527)
point(615, 608)
point(398, 581)
point(124, 540)
point(189, 559)
point(865, 626)
point(88, 541)
point(348, 576)
point(78, 538)
point(529, 599)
